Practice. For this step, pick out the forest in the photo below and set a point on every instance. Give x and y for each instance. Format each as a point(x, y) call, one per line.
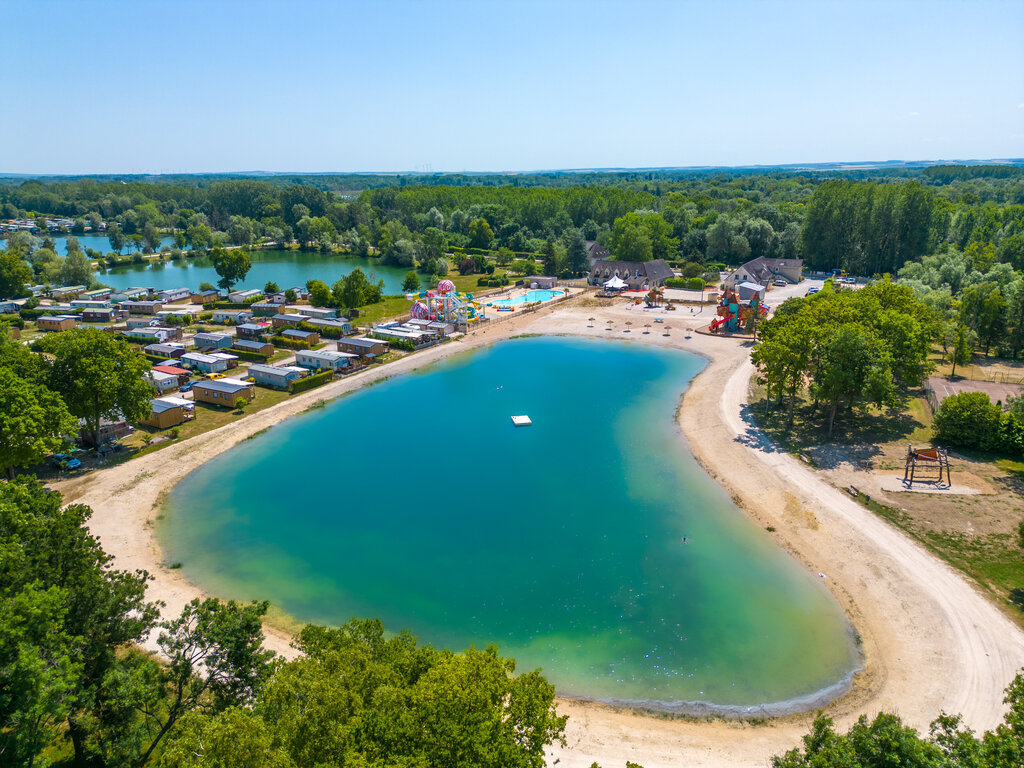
point(955, 234)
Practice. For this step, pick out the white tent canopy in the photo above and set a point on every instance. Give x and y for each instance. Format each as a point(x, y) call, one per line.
point(616, 283)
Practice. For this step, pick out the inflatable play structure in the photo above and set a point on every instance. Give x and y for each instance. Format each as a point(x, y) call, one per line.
point(733, 313)
point(445, 305)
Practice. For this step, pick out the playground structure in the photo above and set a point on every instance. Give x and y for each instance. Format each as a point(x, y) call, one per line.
point(733, 312)
point(926, 458)
point(445, 304)
point(655, 297)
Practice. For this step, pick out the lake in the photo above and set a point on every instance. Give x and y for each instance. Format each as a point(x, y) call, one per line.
point(590, 545)
point(288, 269)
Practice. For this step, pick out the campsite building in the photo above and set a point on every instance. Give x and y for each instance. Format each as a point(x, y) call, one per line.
point(223, 391)
point(169, 412)
point(257, 347)
point(305, 337)
point(56, 322)
point(204, 363)
point(763, 271)
point(231, 316)
point(276, 376)
point(142, 307)
point(206, 341)
point(364, 348)
point(320, 360)
point(636, 274)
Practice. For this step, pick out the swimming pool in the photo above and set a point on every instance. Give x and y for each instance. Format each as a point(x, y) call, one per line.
point(528, 298)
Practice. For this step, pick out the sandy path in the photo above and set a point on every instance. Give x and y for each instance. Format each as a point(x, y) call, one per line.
point(931, 642)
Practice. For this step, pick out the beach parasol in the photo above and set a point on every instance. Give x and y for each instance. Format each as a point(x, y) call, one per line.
point(667, 329)
point(628, 322)
point(647, 325)
point(591, 322)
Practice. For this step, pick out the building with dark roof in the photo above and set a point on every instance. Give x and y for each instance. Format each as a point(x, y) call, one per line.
point(636, 274)
point(763, 271)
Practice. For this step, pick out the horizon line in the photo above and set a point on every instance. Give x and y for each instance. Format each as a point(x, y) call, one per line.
point(848, 164)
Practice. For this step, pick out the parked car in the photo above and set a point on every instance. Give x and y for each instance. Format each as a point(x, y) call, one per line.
point(779, 282)
point(812, 291)
point(213, 376)
point(186, 387)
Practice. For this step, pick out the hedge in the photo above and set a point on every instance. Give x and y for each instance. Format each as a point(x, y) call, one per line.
point(316, 380)
point(325, 331)
point(405, 344)
point(690, 283)
point(16, 320)
point(229, 305)
point(248, 354)
point(281, 341)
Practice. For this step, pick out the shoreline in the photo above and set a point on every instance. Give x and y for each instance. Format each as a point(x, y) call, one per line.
point(929, 640)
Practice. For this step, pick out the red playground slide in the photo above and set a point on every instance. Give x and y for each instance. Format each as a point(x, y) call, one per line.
point(716, 324)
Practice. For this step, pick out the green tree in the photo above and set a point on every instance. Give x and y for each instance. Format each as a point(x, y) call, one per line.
point(291, 296)
point(116, 237)
point(99, 376)
point(630, 240)
point(411, 284)
point(231, 265)
point(968, 420)
point(49, 562)
point(504, 257)
point(34, 422)
point(354, 290)
point(319, 293)
point(215, 660)
point(961, 348)
point(15, 274)
point(549, 259)
point(205, 286)
point(76, 269)
point(271, 287)
point(480, 234)
point(371, 700)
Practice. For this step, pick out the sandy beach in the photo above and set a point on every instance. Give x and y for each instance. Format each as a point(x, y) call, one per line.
point(931, 641)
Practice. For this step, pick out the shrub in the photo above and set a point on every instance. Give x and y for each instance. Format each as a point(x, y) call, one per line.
point(15, 320)
point(405, 344)
point(316, 380)
point(695, 284)
point(281, 341)
point(693, 269)
point(676, 282)
point(968, 420)
point(467, 267)
point(248, 354)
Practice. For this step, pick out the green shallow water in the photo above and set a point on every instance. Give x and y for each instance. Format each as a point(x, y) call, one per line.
point(418, 502)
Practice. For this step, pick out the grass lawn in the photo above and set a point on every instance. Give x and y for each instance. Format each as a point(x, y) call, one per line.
point(208, 417)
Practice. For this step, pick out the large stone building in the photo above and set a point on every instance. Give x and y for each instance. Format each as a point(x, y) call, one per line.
point(636, 274)
point(763, 271)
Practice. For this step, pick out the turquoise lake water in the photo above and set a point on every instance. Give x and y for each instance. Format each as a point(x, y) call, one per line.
point(286, 268)
point(417, 501)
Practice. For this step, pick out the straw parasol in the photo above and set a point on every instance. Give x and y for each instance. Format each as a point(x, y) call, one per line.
point(628, 322)
point(667, 329)
point(591, 320)
point(646, 326)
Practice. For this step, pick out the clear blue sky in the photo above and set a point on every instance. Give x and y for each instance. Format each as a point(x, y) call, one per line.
point(183, 86)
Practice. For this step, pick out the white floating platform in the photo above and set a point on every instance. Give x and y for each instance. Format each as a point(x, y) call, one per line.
point(521, 421)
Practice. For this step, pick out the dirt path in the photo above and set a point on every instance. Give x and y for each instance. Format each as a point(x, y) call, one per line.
point(931, 642)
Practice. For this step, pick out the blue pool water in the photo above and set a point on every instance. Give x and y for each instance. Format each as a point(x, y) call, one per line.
point(528, 297)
